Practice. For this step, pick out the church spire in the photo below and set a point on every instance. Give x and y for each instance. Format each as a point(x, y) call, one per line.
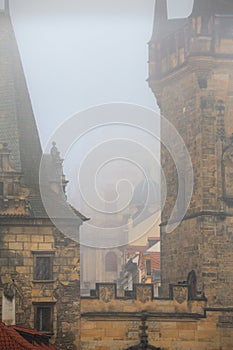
point(17, 122)
point(160, 18)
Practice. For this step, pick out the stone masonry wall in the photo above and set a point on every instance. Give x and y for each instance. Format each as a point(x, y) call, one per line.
point(109, 322)
point(196, 97)
point(20, 239)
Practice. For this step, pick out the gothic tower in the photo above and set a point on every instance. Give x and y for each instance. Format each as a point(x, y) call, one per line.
point(191, 76)
point(39, 266)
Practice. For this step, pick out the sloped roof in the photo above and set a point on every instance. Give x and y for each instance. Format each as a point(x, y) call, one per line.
point(11, 339)
point(211, 7)
point(17, 122)
point(163, 26)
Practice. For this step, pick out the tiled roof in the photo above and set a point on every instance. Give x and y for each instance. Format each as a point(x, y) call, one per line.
point(11, 339)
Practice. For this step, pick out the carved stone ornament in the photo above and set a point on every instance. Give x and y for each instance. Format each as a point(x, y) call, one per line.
point(180, 294)
point(106, 293)
point(144, 293)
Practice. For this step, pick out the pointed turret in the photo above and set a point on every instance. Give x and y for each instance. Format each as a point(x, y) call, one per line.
point(17, 122)
point(19, 131)
point(160, 19)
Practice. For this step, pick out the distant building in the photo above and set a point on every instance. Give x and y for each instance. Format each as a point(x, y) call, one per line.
point(139, 221)
point(142, 265)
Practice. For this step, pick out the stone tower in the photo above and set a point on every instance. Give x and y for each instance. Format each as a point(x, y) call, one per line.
point(191, 76)
point(39, 266)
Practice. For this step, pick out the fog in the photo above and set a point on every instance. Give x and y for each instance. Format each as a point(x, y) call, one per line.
point(78, 54)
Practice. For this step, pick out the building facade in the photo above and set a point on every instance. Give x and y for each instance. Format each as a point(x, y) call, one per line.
point(39, 266)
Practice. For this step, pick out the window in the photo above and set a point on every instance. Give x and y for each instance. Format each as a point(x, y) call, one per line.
point(1, 188)
point(43, 265)
point(156, 275)
point(148, 267)
point(44, 317)
point(11, 189)
point(43, 268)
point(111, 262)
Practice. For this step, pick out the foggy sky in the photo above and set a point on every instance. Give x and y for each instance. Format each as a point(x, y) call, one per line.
point(80, 53)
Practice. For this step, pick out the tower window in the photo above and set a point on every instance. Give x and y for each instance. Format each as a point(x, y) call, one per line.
point(148, 267)
point(1, 188)
point(111, 262)
point(43, 321)
point(10, 189)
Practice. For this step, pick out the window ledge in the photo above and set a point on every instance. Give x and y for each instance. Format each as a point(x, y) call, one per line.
point(43, 281)
point(48, 333)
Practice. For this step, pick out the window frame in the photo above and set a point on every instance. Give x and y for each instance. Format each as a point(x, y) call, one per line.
point(43, 254)
point(148, 267)
point(1, 188)
point(38, 307)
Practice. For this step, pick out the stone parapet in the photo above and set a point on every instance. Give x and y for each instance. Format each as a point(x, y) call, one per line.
point(110, 321)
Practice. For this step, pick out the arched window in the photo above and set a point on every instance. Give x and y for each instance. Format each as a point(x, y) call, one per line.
point(111, 262)
point(192, 282)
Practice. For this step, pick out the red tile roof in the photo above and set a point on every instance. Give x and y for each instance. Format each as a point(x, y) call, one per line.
point(11, 338)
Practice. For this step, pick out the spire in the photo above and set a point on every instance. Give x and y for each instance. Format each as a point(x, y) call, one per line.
point(160, 18)
point(17, 123)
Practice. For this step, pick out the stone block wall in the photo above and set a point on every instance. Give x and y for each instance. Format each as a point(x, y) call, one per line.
point(21, 241)
point(195, 96)
point(112, 322)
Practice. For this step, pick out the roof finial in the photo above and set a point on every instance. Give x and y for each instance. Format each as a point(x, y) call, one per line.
point(160, 18)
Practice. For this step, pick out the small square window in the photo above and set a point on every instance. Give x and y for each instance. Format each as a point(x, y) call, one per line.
point(44, 317)
point(43, 265)
point(43, 268)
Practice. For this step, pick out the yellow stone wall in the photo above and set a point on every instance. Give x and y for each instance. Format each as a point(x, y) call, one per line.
point(109, 322)
point(19, 238)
